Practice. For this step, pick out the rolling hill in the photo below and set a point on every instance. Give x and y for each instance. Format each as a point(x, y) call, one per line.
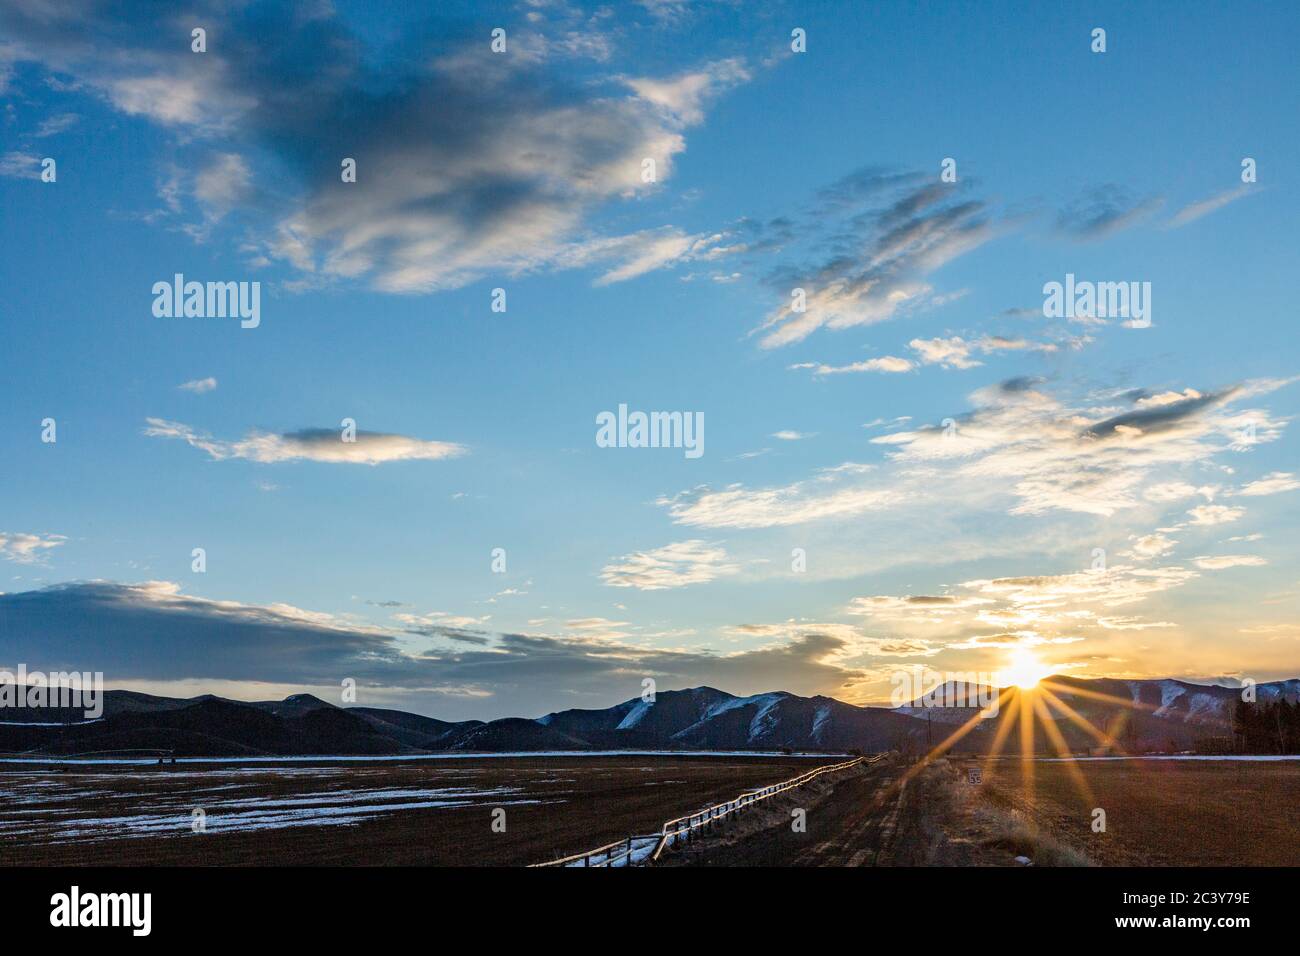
point(1141, 714)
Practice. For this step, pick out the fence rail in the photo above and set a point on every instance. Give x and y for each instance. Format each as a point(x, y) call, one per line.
point(638, 849)
point(39, 754)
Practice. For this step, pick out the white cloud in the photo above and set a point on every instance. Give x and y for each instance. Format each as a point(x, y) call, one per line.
point(225, 181)
point(199, 385)
point(58, 123)
point(1169, 491)
point(18, 165)
point(682, 97)
point(1223, 561)
point(1203, 207)
point(1115, 586)
point(1153, 546)
point(315, 444)
point(886, 363)
point(1084, 458)
point(1271, 484)
point(1037, 610)
point(28, 548)
point(951, 352)
point(174, 95)
point(1131, 624)
point(502, 183)
point(1215, 514)
point(830, 495)
point(469, 163)
point(927, 226)
point(956, 352)
point(637, 253)
point(672, 566)
point(1020, 442)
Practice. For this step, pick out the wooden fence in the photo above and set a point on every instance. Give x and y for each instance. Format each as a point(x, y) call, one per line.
point(642, 849)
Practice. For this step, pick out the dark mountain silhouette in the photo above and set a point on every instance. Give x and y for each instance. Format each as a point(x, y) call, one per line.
point(1140, 714)
point(1161, 714)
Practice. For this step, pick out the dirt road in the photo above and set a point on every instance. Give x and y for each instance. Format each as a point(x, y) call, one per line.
point(1156, 814)
point(853, 820)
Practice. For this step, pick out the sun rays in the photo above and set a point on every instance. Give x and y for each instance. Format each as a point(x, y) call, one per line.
point(1030, 707)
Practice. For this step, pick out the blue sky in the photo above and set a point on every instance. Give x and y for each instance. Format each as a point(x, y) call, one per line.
point(823, 430)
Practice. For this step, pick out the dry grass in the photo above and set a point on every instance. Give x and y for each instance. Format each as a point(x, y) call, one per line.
point(579, 803)
point(1157, 813)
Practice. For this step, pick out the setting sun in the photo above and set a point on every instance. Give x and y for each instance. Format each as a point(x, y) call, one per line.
point(1023, 669)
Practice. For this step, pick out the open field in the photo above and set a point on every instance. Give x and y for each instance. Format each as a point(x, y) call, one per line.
point(1158, 813)
point(439, 812)
point(436, 812)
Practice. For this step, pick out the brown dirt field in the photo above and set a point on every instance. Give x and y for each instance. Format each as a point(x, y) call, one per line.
point(555, 806)
point(1158, 813)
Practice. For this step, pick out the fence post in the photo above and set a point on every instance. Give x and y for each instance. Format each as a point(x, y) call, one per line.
point(629, 849)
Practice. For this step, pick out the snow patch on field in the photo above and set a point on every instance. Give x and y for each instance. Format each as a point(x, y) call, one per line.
point(50, 812)
point(457, 755)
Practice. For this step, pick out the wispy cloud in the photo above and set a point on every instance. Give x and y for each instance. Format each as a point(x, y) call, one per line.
point(24, 548)
point(885, 363)
point(1092, 459)
point(468, 162)
point(1274, 483)
point(1036, 611)
point(950, 352)
point(53, 125)
point(880, 267)
point(834, 493)
point(1154, 545)
point(1214, 514)
point(956, 352)
point(1203, 207)
point(1038, 452)
point(199, 385)
point(309, 444)
point(671, 566)
point(1103, 211)
point(453, 627)
point(1224, 561)
point(19, 165)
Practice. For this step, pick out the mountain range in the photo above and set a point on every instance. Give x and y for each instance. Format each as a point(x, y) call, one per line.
point(1141, 714)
